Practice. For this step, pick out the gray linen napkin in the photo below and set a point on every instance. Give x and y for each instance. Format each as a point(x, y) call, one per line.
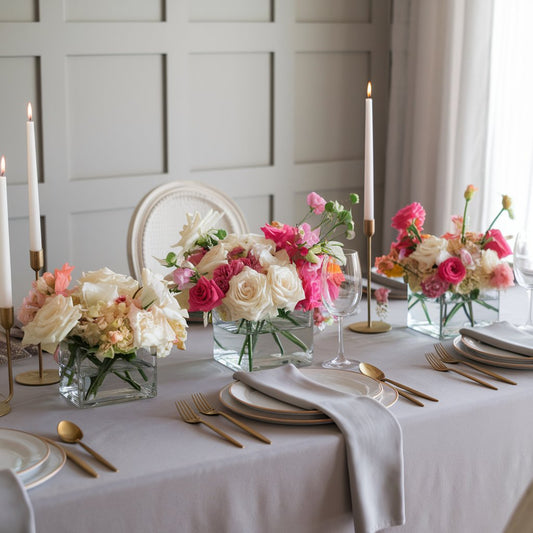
point(16, 511)
point(503, 335)
point(373, 442)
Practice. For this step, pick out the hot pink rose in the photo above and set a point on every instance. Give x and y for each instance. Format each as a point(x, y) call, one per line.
point(452, 270)
point(496, 241)
point(205, 295)
point(316, 203)
point(223, 273)
point(283, 235)
point(502, 277)
point(434, 286)
point(412, 213)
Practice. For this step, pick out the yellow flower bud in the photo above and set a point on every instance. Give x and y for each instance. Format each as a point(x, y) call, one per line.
point(469, 192)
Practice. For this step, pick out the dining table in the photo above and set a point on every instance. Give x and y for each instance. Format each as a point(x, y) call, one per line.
point(467, 458)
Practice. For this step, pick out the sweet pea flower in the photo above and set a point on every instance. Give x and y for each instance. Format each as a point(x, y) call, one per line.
point(62, 279)
point(182, 276)
point(316, 203)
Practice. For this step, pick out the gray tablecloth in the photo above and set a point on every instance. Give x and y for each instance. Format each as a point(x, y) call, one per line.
point(467, 458)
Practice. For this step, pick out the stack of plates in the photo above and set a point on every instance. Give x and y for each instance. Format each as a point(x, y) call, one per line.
point(30, 457)
point(490, 355)
point(243, 400)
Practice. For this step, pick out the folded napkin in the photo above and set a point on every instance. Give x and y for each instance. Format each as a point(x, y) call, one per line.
point(16, 511)
point(373, 442)
point(502, 335)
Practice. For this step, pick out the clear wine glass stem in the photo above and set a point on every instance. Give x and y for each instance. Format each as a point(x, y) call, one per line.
point(529, 323)
point(340, 355)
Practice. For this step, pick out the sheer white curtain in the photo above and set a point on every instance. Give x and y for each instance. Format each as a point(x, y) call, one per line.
point(438, 116)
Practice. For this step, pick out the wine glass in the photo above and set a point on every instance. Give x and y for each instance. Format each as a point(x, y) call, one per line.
point(342, 285)
point(523, 269)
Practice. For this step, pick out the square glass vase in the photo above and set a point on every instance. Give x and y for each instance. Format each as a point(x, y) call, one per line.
point(248, 345)
point(87, 381)
point(443, 317)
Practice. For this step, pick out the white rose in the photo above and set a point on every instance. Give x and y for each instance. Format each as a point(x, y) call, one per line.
point(286, 286)
point(246, 241)
point(431, 251)
point(155, 292)
point(195, 227)
point(249, 296)
point(267, 255)
point(215, 257)
point(151, 330)
point(104, 285)
point(52, 323)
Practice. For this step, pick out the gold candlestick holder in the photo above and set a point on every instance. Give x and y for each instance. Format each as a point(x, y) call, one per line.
point(42, 376)
point(370, 326)
point(7, 320)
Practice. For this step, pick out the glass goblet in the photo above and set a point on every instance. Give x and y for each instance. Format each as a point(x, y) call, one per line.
point(342, 285)
point(523, 269)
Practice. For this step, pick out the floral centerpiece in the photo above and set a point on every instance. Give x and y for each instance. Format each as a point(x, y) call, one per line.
point(456, 270)
point(259, 288)
point(105, 333)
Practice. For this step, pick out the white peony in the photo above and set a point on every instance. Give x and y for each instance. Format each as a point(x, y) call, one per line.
point(249, 297)
point(52, 323)
point(432, 251)
point(151, 329)
point(104, 285)
point(286, 286)
point(195, 227)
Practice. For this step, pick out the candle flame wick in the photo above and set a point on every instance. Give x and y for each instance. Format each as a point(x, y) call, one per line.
point(3, 166)
point(30, 114)
point(369, 90)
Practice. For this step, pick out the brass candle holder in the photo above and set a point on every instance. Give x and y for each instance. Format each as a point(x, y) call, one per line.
point(42, 376)
point(370, 326)
point(7, 320)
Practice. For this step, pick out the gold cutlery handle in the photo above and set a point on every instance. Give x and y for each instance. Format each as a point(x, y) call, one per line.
point(74, 458)
point(409, 397)
point(221, 433)
point(98, 456)
point(489, 373)
point(414, 391)
point(473, 378)
point(256, 434)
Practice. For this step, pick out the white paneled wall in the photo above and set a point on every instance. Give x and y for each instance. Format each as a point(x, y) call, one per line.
point(263, 99)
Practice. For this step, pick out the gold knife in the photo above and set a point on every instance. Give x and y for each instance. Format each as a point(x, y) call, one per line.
point(74, 458)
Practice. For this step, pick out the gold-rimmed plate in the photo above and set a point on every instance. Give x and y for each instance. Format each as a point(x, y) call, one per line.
point(21, 451)
point(53, 464)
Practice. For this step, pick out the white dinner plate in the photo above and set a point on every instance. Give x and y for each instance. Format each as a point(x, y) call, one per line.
point(53, 464)
point(340, 380)
point(485, 359)
point(495, 353)
point(21, 451)
point(388, 397)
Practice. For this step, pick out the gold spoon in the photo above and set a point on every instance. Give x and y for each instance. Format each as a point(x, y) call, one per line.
point(70, 432)
point(376, 373)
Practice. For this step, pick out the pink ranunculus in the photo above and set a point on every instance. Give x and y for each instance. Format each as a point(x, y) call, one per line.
point(382, 295)
point(502, 277)
point(452, 270)
point(496, 241)
point(412, 213)
point(205, 295)
point(223, 273)
point(434, 286)
point(63, 278)
point(182, 276)
point(310, 275)
point(283, 235)
point(316, 202)
point(308, 237)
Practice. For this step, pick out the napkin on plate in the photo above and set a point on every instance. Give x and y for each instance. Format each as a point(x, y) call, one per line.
point(502, 335)
point(373, 442)
point(16, 511)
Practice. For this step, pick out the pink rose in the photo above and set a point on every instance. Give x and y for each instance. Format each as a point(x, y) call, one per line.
point(502, 277)
point(452, 270)
point(434, 286)
point(223, 273)
point(62, 279)
point(205, 295)
point(182, 276)
point(382, 295)
point(283, 235)
point(411, 214)
point(316, 203)
point(496, 241)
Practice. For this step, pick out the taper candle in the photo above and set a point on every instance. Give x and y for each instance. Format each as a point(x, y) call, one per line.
point(33, 186)
point(6, 291)
point(369, 157)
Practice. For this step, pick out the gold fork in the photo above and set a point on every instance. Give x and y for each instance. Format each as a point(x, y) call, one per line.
point(188, 415)
point(446, 357)
point(203, 405)
point(437, 364)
